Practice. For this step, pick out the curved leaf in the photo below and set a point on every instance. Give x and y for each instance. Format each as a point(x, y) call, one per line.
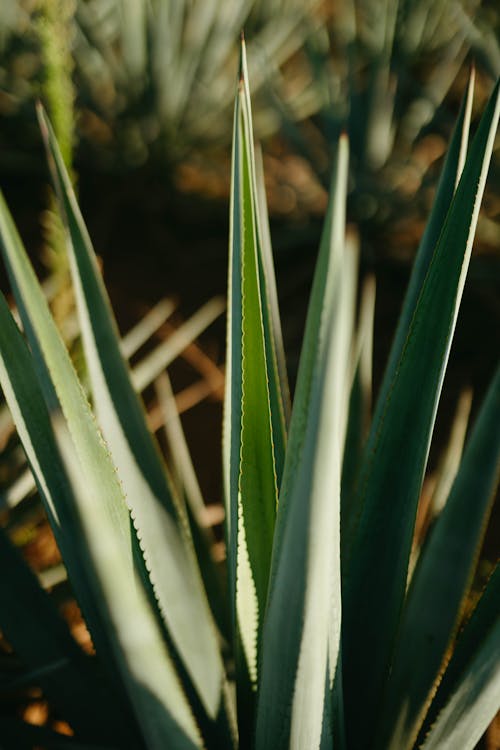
point(163, 535)
point(98, 531)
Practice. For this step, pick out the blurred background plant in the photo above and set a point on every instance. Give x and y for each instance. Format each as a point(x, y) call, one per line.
point(390, 74)
point(153, 78)
point(150, 113)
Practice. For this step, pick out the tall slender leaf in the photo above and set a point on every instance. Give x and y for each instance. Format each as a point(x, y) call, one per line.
point(250, 467)
point(450, 175)
point(164, 541)
point(468, 696)
point(396, 453)
point(442, 578)
point(98, 515)
point(331, 248)
point(360, 400)
point(275, 353)
point(302, 626)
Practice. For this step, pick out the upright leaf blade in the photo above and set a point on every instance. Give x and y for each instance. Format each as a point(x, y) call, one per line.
point(279, 389)
point(442, 577)
point(164, 540)
point(450, 175)
point(468, 696)
point(396, 453)
point(331, 249)
point(99, 526)
point(360, 400)
point(250, 406)
point(302, 626)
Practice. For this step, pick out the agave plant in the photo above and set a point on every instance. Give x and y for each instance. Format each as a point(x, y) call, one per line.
point(324, 640)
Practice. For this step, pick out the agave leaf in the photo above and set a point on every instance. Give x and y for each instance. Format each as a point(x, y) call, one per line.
point(249, 458)
point(277, 377)
point(448, 181)
point(397, 450)
point(302, 626)
point(359, 400)
point(203, 535)
point(450, 463)
point(442, 578)
point(164, 539)
point(331, 249)
point(98, 536)
point(337, 696)
point(129, 345)
point(432, 503)
point(280, 404)
point(66, 674)
point(468, 696)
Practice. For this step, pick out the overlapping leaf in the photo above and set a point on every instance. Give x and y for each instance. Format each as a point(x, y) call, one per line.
point(63, 445)
point(468, 696)
point(302, 626)
point(442, 578)
point(396, 453)
point(254, 409)
point(163, 534)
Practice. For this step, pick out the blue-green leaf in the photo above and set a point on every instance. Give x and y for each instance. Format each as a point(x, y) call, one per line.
point(162, 529)
point(302, 626)
point(469, 694)
point(75, 473)
point(396, 453)
point(441, 579)
point(250, 407)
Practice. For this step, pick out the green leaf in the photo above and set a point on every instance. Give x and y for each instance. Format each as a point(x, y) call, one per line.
point(249, 458)
point(163, 533)
point(279, 390)
point(330, 251)
point(452, 456)
point(442, 578)
point(133, 340)
point(396, 452)
point(302, 625)
point(450, 175)
point(202, 532)
point(99, 538)
point(468, 695)
point(360, 400)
